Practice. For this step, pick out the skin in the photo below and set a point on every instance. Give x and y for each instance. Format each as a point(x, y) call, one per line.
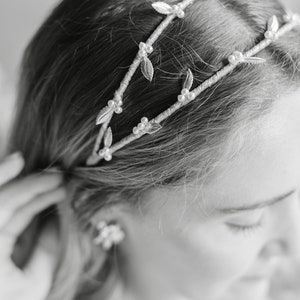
point(181, 245)
point(31, 195)
point(190, 242)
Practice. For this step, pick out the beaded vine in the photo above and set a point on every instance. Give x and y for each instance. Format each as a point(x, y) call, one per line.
point(114, 106)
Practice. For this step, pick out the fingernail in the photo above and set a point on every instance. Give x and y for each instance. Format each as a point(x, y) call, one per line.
point(56, 172)
point(17, 156)
point(53, 170)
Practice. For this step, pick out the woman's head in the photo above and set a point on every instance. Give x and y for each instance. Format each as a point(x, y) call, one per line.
point(72, 68)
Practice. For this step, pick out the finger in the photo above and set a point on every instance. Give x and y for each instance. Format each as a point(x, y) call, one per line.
point(11, 167)
point(22, 218)
point(18, 193)
point(5, 216)
point(43, 262)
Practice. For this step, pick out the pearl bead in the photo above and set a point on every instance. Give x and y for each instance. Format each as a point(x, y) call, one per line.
point(232, 59)
point(143, 53)
point(177, 9)
point(119, 102)
point(181, 98)
point(149, 49)
point(270, 35)
point(111, 103)
point(180, 5)
point(238, 55)
point(144, 120)
point(184, 92)
point(180, 14)
point(118, 110)
point(108, 157)
point(142, 46)
point(141, 126)
point(135, 130)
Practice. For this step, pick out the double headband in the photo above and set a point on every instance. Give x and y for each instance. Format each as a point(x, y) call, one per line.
point(274, 30)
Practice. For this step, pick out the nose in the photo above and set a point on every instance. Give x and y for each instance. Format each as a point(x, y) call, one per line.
point(285, 239)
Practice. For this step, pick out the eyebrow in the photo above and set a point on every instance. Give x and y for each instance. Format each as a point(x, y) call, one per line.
point(256, 206)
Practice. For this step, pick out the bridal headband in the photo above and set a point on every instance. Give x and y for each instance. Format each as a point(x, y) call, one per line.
point(274, 30)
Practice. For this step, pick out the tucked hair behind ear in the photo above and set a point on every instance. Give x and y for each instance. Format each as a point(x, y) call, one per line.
point(72, 67)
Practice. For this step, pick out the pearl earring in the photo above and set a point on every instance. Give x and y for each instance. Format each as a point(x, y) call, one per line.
point(108, 235)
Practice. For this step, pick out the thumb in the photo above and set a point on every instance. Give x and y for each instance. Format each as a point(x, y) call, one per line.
point(41, 266)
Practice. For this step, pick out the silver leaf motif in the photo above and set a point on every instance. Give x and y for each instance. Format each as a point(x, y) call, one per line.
point(147, 68)
point(189, 80)
point(273, 24)
point(162, 8)
point(254, 60)
point(104, 115)
point(108, 138)
point(93, 159)
point(153, 128)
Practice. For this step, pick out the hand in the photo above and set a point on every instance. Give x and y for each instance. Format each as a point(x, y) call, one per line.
point(20, 201)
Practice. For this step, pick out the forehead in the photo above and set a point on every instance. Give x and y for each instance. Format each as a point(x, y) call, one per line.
point(268, 165)
point(269, 162)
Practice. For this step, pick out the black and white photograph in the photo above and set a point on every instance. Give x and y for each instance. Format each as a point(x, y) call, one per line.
point(150, 150)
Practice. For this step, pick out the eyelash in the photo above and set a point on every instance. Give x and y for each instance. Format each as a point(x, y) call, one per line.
point(237, 229)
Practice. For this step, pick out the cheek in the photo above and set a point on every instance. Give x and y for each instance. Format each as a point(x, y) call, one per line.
point(217, 256)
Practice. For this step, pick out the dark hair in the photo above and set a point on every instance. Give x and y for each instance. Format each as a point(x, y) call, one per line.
point(76, 61)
